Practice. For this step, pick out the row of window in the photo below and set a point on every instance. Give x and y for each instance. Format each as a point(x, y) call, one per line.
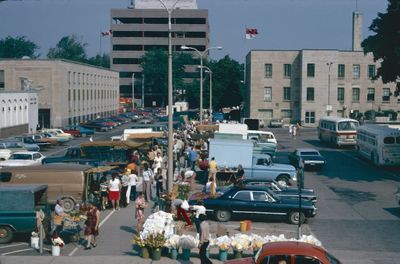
point(310, 94)
point(341, 74)
point(90, 95)
point(123, 47)
point(158, 20)
point(157, 34)
point(90, 79)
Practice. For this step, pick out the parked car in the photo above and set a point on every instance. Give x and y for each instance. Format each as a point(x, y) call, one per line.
point(292, 252)
point(23, 158)
point(79, 131)
point(58, 132)
point(146, 120)
point(43, 141)
point(28, 143)
point(59, 139)
point(97, 126)
point(249, 201)
point(276, 123)
point(311, 158)
point(8, 147)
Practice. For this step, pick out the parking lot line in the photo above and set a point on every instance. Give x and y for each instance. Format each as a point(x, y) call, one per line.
point(14, 245)
point(16, 251)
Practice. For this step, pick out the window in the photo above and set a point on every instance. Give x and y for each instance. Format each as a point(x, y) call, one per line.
point(306, 260)
point(386, 95)
point(268, 70)
point(371, 71)
point(356, 71)
point(356, 95)
point(267, 94)
point(310, 94)
point(310, 70)
point(371, 94)
point(259, 196)
point(265, 113)
point(286, 113)
point(310, 117)
point(276, 259)
point(286, 93)
point(340, 93)
point(242, 195)
point(287, 70)
point(341, 71)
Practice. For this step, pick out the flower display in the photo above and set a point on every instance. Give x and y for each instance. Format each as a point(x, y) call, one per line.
point(304, 238)
point(57, 241)
point(34, 234)
point(155, 240)
point(240, 242)
point(223, 242)
point(188, 242)
point(158, 223)
point(137, 240)
point(172, 242)
point(256, 241)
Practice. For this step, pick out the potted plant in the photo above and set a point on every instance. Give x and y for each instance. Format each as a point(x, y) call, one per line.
point(173, 244)
point(187, 242)
point(155, 241)
point(224, 244)
point(256, 243)
point(139, 241)
point(58, 243)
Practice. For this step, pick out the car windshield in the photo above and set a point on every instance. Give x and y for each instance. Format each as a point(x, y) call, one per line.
point(21, 157)
point(347, 126)
point(309, 153)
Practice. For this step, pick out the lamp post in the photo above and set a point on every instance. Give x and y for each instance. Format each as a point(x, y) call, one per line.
point(210, 105)
point(329, 106)
point(133, 91)
point(201, 55)
point(170, 175)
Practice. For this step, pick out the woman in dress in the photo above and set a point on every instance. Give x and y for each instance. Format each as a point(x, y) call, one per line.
point(92, 226)
point(140, 205)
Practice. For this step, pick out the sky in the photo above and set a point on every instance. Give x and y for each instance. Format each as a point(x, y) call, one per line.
point(282, 24)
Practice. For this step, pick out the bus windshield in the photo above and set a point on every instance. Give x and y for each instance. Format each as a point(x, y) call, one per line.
point(347, 125)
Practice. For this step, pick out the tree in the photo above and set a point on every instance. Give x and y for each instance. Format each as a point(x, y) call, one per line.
point(100, 60)
point(385, 44)
point(70, 48)
point(17, 47)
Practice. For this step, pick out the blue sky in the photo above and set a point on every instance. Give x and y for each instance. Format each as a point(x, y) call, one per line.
point(282, 24)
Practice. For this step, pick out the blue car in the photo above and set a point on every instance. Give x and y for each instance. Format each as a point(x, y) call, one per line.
point(79, 131)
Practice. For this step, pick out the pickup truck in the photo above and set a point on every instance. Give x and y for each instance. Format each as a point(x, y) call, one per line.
point(72, 155)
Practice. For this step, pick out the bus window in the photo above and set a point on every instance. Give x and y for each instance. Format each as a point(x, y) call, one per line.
point(388, 140)
point(345, 126)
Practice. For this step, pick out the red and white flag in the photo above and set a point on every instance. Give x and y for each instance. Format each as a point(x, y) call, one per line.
point(107, 33)
point(251, 33)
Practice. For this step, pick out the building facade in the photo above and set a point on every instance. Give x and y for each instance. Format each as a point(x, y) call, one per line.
point(144, 27)
point(305, 85)
point(68, 92)
point(19, 113)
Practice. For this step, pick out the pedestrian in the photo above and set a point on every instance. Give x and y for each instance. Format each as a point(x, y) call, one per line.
point(159, 182)
point(58, 218)
point(103, 192)
point(189, 177)
point(147, 180)
point(239, 177)
point(204, 239)
point(140, 205)
point(294, 132)
point(198, 210)
point(124, 189)
point(192, 158)
point(158, 161)
point(92, 226)
point(114, 187)
point(213, 168)
point(291, 129)
point(133, 179)
point(181, 207)
point(298, 126)
point(211, 187)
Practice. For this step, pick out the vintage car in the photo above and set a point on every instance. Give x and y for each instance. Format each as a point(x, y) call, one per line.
point(251, 201)
point(23, 158)
point(292, 252)
point(310, 157)
point(79, 131)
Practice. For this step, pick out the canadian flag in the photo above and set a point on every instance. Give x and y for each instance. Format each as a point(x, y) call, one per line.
point(251, 33)
point(107, 33)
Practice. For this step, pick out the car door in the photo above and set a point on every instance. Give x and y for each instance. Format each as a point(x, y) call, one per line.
point(241, 202)
point(266, 204)
point(261, 169)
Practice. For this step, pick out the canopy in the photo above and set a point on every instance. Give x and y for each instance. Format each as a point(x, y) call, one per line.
point(146, 135)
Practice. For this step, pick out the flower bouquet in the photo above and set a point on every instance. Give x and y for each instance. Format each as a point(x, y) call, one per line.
point(187, 242)
point(224, 244)
point(57, 241)
point(137, 240)
point(240, 242)
point(155, 241)
point(158, 223)
point(173, 244)
point(257, 242)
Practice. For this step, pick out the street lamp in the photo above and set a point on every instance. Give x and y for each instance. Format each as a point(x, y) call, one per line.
point(170, 175)
point(133, 91)
point(209, 72)
point(201, 55)
point(329, 106)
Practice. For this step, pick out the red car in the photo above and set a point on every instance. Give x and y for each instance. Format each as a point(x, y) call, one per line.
point(289, 252)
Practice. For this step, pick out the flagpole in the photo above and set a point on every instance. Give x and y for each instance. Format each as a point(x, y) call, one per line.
point(100, 42)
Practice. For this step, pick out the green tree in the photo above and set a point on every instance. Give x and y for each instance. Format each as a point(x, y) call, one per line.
point(100, 60)
point(17, 47)
point(70, 48)
point(385, 44)
point(155, 69)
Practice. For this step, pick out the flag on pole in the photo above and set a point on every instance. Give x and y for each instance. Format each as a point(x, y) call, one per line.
point(107, 33)
point(251, 33)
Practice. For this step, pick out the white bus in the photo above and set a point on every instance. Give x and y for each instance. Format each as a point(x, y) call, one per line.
point(380, 144)
point(338, 131)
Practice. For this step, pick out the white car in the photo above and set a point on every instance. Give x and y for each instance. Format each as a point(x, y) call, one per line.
point(23, 158)
point(58, 133)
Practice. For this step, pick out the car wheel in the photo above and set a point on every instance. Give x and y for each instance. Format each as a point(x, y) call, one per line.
point(283, 180)
point(68, 204)
point(6, 234)
point(222, 215)
point(294, 218)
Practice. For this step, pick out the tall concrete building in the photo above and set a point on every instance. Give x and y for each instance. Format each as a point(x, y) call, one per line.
point(144, 26)
point(305, 85)
point(68, 92)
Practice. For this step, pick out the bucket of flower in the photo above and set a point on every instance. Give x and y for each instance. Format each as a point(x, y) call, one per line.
point(155, 241)
point(172, 243)
point(58, 243)
point(187, 243)
point(141, 243)
point(257, 242)
point(224, 244)
point(240, 242)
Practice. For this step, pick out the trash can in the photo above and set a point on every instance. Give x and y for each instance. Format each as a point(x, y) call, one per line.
point(248, 225)
point(243, 226)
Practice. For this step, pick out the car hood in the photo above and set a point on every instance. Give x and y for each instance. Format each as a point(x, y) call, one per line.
point(17, 163)
point(313, 158)
point(305, 192)
point(248, 260)
point(282, 167)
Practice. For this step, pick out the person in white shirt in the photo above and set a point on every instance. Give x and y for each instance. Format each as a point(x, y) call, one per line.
point(114, 186)
point(131, 192)
point(158, 161)
point(124, 189)
point(211, 186)
point(147, 181)
point(198, 210)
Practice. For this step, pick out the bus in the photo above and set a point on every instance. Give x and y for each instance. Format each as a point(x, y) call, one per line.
point(380, 144)
point(338, 131)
